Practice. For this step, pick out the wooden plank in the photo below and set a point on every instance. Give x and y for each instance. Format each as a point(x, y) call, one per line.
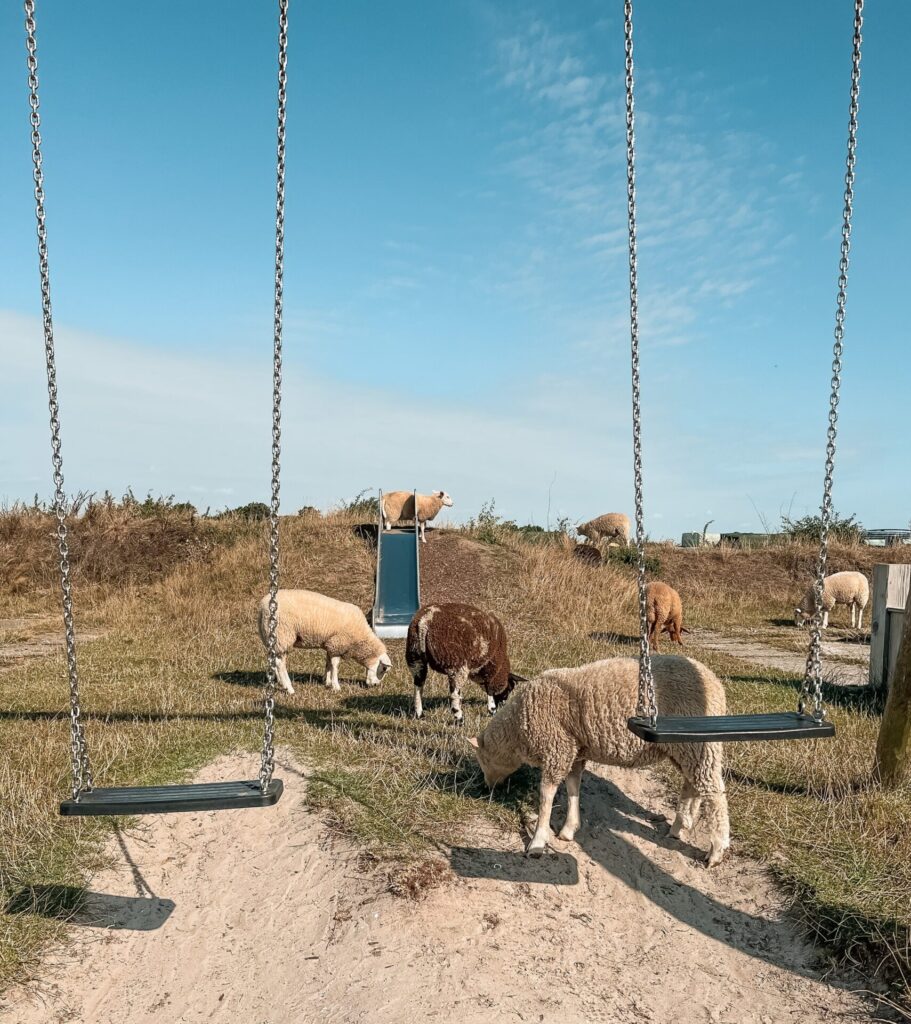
point(893, 641)
point(893, 746)
point(897, 587)
point(879, 627)
point(891, 587)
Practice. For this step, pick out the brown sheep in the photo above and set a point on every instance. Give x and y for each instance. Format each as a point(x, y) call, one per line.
point(665, 613)
point(462, 642)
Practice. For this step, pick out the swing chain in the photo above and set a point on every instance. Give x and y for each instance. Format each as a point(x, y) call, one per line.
point(647, 704)
point(812, 685)
point(268, 753)
point(82, 773)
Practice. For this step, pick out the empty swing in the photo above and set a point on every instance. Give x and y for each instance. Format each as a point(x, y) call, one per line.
point(809, 720)
point(85, 798)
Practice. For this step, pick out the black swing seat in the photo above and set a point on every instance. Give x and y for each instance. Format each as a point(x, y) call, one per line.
point(205, 796)
point(730, 728)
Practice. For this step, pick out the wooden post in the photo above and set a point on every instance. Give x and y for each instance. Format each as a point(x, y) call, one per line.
point(893, 747)
point(891, 586)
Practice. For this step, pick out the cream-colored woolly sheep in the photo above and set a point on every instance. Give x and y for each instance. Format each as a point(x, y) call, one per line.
point(312, 621)
point(665, 613)
point(849, 588)
point(568, 716)
point(398, 506)
point(611, 526)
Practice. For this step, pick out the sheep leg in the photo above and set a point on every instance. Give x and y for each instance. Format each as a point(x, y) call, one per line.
point(543, 835)
point(860, 616)
point(825, 620)
point(456, 681)
point(423, 527)
point(716, 813)
point(281, 670)
point(573, 817)
point(332, 665)
point(687, 809)
point(419, 674)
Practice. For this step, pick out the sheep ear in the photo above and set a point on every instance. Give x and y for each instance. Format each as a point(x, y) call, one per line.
point(473, 740)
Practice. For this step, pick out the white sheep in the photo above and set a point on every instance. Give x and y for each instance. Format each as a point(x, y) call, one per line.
point(610, 526)
point(398, 506)
point(312, 621)
point(849, 588)
point(568, 716)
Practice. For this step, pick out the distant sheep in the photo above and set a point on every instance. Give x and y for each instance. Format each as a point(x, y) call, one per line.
point(612, 526)
point(665, 613)
point(849, 588)
point(312, 621)
point(568, 716)
point(398, 506)
point(462, 642)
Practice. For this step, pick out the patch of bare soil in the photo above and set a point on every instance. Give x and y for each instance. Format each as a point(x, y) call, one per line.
point(845, 664)
point(456, 568)
point(263, 917)
point(34, 637)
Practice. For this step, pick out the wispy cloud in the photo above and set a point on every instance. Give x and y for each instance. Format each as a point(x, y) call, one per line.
point(708, 216)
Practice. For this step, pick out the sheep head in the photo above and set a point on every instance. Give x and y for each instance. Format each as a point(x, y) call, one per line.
point(377, 668)
point(496, 762)
point(444, 498)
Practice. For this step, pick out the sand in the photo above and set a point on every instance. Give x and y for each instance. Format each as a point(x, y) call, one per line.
point(267, 917)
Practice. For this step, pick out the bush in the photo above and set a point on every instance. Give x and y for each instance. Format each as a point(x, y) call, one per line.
point(362, 506)
point(844, 529)
point(630, 556)
point(254, 511)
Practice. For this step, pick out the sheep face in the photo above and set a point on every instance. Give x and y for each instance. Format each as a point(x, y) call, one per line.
point(444, 497)
point(496, 763)
point(800, 616)
point(377, 668)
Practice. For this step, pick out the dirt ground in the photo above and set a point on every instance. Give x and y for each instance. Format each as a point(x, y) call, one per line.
point(266, 917)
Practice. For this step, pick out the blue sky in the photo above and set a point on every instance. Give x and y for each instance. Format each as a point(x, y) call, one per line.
point(456, 293)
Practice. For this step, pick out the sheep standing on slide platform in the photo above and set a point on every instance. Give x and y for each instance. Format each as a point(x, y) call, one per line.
point(312, 621)
point(849, 588)
point(398, 506)
point(665, 613)
point(567, 716)
point(612, 526)
point(462, 642)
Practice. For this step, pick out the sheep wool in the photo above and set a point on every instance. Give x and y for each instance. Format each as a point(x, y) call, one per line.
point(611, 526)
point(665, 613)
point(567, 716)
point(312, 621)
point(398, 507)
point(461, 642)
point(850, 588)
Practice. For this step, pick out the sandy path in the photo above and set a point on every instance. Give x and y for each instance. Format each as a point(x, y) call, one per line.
point(260, 917)
point(851, 669)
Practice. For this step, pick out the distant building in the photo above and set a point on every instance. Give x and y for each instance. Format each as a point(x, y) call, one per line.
point(888, 538)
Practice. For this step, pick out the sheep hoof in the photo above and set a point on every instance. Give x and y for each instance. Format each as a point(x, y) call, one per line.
point(714, 857)
point(289, 690)
point(567, 834)
point(535, 851)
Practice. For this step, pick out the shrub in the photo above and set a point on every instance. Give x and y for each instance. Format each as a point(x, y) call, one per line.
point(630, 556)
point(844, 529)
point(363, 506)
point(254, 511)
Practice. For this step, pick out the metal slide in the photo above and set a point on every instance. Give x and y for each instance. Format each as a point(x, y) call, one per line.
point(398, 578)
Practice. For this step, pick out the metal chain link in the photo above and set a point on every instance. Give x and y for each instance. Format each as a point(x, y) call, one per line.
point(82, 773)
point(647, 704)
point(267, 766)
point(812, 685)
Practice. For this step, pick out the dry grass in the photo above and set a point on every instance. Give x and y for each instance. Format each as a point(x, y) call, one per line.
point(175, 679)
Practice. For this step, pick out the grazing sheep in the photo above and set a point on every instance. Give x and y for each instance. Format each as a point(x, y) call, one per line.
point(665, 613)
point(568, 716)
point(849, 588)
point(313, 621)
point(398, 506)
point(587, 554)
point(613, 525)
point(463, 643)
